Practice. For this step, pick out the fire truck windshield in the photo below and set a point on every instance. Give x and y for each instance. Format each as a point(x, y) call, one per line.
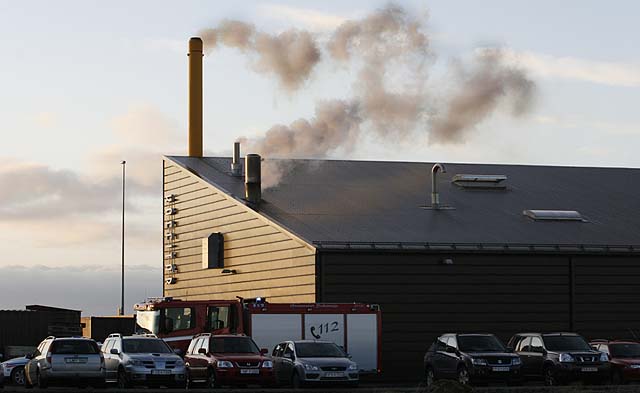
point(148, 322)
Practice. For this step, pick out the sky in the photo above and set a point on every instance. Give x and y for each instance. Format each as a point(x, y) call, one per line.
point(86, 84)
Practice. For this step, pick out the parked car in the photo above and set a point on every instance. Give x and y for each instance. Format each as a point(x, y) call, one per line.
point(305, 362)
point(66, 361)
point(560, 358)
point(142, 360)
point(471, 359)
point(14, 370)
point(1, 374)
point(624, 358)
point(227, 360)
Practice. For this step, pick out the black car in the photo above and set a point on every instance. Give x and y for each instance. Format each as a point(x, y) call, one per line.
point(471, 359)
point(560, 358)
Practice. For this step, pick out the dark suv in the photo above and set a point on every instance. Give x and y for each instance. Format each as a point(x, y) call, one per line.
point(227, 360)
point(471, 359)
point(560, 358)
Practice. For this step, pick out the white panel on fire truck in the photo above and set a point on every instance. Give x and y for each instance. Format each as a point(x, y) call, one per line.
point(362, 340)
point(326, 327)
point(269, 330)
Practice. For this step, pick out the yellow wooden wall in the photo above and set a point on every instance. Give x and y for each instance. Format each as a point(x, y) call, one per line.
point(269, 262)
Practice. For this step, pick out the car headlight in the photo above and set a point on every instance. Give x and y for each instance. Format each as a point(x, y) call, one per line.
point(310, 367)
point(267, 364)
point(134, 362)
point(604, 357)
point(516, 361)
point(566, 358)
point(353, 367)
point(634, 366)
point(478, 362)
point(224, 364)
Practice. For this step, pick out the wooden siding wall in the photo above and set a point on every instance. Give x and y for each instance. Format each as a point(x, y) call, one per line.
point(502, 294)
point(270, 263)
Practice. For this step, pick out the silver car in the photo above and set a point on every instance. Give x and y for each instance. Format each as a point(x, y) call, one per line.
point(75, 361)
point(299, 363)
point(142, 360)
point(14, 370)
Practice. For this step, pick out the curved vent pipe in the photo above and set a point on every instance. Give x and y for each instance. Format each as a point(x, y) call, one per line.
point(435, 196)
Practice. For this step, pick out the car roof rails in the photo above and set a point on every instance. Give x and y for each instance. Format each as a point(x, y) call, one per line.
point(150, 335)
point(112, 335)
point(50, 338)
point(203, 335)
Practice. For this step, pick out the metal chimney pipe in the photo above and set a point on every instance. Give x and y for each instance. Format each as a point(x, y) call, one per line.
point(252, 179)
point(236, 168)
point(435, 196)
point(195, 97)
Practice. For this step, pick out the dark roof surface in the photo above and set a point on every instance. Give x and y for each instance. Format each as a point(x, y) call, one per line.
point(335, 202)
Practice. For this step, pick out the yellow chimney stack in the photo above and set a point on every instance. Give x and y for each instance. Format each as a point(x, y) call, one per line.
point(195, 97)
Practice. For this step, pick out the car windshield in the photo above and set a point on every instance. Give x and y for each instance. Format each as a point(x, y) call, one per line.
point(144, 345)
point(319, 350)
point(566, 343)
point(629, 350)
point(74, 347)
point(480, 344)
point(233, 345)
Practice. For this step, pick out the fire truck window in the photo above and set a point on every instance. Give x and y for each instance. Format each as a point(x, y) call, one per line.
point(217, 318)
point(178, 318)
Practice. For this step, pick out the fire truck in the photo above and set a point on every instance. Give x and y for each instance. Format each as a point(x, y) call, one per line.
point(355, 327)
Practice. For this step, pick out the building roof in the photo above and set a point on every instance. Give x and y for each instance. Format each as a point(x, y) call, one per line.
point(353, 204)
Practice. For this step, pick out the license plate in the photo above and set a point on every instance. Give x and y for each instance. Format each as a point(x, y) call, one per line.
point(501, 369)
point(334, 375)
point(75, 360)
point(589, 369)
point(161, 372)
point(249, 371)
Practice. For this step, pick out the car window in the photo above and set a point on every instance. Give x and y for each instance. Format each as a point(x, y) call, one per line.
point(604, 348)
point(524, 345)
point(625, 350)
point(566, 343)
point(277, 351)
point(106, 347)
point(452, 342)
point(233, 345)
point(217, 317)
point(319, 350)
point(196, 346)
point(45, 347)
point(441, 344)
point(82, 347)
point(178, 318)
point(288, 350)
point(144, 345)
point(536, 345)
point(117, 344)
point(480, 343)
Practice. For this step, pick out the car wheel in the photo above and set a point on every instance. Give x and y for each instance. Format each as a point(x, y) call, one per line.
point(42, 382)
point(617, 378)
point(550, 377)
point(17, 376)
point(429, 377)
point(296, 382)
point(211, 379)
point(123, 380)
point(463, 376)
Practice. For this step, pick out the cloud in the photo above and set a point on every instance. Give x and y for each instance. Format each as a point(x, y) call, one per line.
point(312, 19)
point(579, 122)
point(46, 119)
point(93, 289)
point(567, 67)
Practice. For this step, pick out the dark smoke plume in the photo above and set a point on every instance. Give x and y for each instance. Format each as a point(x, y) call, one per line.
point(290, 55)
point(393, 110)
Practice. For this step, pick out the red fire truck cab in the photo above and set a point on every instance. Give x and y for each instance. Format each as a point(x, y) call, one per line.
point(355, 327)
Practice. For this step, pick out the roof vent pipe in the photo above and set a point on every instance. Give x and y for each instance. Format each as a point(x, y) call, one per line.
point(252, 179)
point(236, 168)
point(195, 97)
point(435, 196)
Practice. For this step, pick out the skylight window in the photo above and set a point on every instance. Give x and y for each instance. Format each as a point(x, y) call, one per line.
point(554, 215)
point(479, 181)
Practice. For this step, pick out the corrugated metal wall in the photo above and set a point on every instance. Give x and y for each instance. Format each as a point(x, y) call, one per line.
point(270, 263)
point(502, 294)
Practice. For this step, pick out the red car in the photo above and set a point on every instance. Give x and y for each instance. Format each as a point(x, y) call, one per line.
point(228, 359)
point(624, 358)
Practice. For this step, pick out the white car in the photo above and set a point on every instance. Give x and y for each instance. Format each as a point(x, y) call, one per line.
point(14, 370)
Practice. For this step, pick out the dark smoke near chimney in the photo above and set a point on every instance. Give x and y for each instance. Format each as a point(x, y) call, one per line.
point(387, 40)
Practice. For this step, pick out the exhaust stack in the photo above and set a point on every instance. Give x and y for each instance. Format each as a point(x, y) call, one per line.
point(252, 179)
point(236, 168)
point(195, 97)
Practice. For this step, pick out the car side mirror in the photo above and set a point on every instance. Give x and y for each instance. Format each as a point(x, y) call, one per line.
point(510, 349)
point(451, 350)
point(29, 356)
point(264, 351)
point(114, 351)
point(202, 351)
point(178, 351)
point(288, 356)
point(594, 347)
